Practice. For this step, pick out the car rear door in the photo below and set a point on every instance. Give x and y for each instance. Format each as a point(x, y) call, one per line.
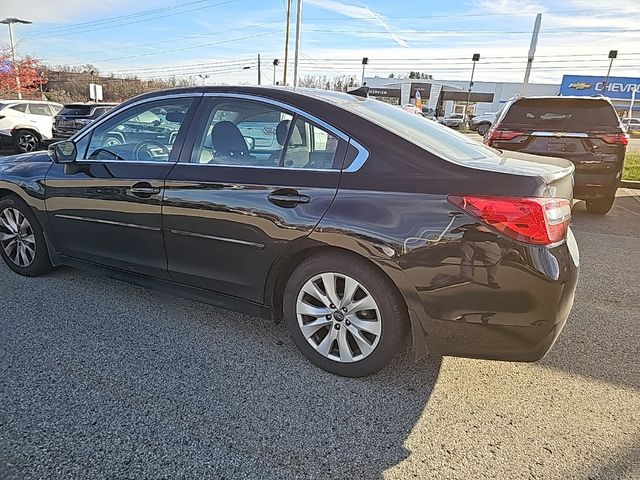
point(228, 211)
point(106, 207)
point(41, 117)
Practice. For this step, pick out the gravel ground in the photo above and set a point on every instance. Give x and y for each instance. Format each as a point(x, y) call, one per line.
point(102, 379)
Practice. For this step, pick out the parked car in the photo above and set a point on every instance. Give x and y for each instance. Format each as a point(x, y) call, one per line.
point(428, 112)
point(75, 116)
point(26, 124)
point(584, 130)
point(632, 125)
point(339, 229)
point(482, 123)
point(453, 121)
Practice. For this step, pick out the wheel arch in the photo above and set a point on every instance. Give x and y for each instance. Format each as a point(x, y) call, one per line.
point(29, 128)
point(288, 260)
point(20, 194)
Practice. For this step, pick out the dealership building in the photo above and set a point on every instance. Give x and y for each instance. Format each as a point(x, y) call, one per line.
point(448, 97)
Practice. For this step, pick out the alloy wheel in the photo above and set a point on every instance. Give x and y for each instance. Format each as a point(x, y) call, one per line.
point(27, 142)
point(17, 237)
point(338, 317)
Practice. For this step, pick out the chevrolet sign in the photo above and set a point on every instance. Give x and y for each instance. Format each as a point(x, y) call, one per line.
point(617, 87)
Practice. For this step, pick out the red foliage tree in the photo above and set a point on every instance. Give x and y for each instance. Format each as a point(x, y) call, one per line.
point(30, 70)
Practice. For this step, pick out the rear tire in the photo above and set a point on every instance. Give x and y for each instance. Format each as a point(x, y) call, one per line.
point(22, 244)
point(359, 331)
point(25, 141)
point(600, 206)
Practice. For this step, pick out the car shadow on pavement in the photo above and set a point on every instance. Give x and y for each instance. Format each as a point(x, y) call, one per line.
point(602, 334)
point(127, 382)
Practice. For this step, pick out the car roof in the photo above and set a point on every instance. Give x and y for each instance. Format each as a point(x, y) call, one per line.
point(89, 104)
point(279, 92)
point(16, 101)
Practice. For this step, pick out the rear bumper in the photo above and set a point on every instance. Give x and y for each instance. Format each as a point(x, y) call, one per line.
point(590, 185)
point(513, 310)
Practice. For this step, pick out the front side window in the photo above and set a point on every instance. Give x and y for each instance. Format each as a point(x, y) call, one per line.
point(254, 134)
point(145, 132)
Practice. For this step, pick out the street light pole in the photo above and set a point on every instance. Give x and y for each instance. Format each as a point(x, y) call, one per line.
point(465, 119)
point(10, 21)
point(365, 62)
point(612, 54)
point(276, 62)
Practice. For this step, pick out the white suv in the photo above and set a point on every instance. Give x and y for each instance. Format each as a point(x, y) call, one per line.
point(26, 123)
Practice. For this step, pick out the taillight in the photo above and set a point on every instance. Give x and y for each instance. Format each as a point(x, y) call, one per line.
point(502, 135)
point(615, 138)
point(539, 221)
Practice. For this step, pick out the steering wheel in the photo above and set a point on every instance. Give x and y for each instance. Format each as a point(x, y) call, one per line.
point(146, 144)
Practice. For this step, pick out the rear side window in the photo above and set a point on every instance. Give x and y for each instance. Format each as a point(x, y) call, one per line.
point(20, 107)
point(40, 109)
point(560, 114)
point(427, 134)
point(76, 110)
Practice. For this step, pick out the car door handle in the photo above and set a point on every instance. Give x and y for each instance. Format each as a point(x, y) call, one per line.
point(144, 190)
point(288, 198)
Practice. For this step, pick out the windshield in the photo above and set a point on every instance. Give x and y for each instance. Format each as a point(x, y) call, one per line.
point(425, 133)
point(561, 114)
point(76, 110)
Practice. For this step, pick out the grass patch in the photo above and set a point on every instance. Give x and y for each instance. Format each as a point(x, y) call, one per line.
point(632, 166)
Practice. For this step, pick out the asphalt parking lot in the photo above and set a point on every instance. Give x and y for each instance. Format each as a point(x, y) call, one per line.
point(102, 379)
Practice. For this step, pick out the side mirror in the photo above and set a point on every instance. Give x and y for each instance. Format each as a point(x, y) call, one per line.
point(63, 152)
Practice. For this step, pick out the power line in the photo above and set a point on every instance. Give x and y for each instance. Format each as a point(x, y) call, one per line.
point(181, 49)
point(188, 37)
point(143, 20)
point(121, 17)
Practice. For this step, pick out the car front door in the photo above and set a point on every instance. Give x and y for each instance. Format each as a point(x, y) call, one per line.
point(106, 206)
point(234, 205)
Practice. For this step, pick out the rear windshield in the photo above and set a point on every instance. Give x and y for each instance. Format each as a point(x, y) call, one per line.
point(430, 135)
point(561, 114)
point(76, 110)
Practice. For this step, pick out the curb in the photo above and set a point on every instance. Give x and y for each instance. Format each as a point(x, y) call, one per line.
point(630, 184)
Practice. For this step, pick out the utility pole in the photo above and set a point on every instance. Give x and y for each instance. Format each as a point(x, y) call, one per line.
point(465, 119)
point(10, 21)
point(365, 62)
point(276, 62)
point(286, 42)
point(259, 71)
point(612, 54)
point(532, 52)
point(297, 53)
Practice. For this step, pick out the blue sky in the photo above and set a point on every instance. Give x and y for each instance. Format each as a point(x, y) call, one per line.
point(220, 38)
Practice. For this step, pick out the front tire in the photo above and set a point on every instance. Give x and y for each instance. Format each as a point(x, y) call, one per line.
point(25, 141)
point(344, 315)
point(600, 206)
point(22, 244)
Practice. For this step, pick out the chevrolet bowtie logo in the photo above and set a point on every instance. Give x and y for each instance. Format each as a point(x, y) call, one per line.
point(580, 85)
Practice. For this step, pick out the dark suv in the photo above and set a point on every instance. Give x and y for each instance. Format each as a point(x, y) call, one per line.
point(75, 116)
point(584, 130)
